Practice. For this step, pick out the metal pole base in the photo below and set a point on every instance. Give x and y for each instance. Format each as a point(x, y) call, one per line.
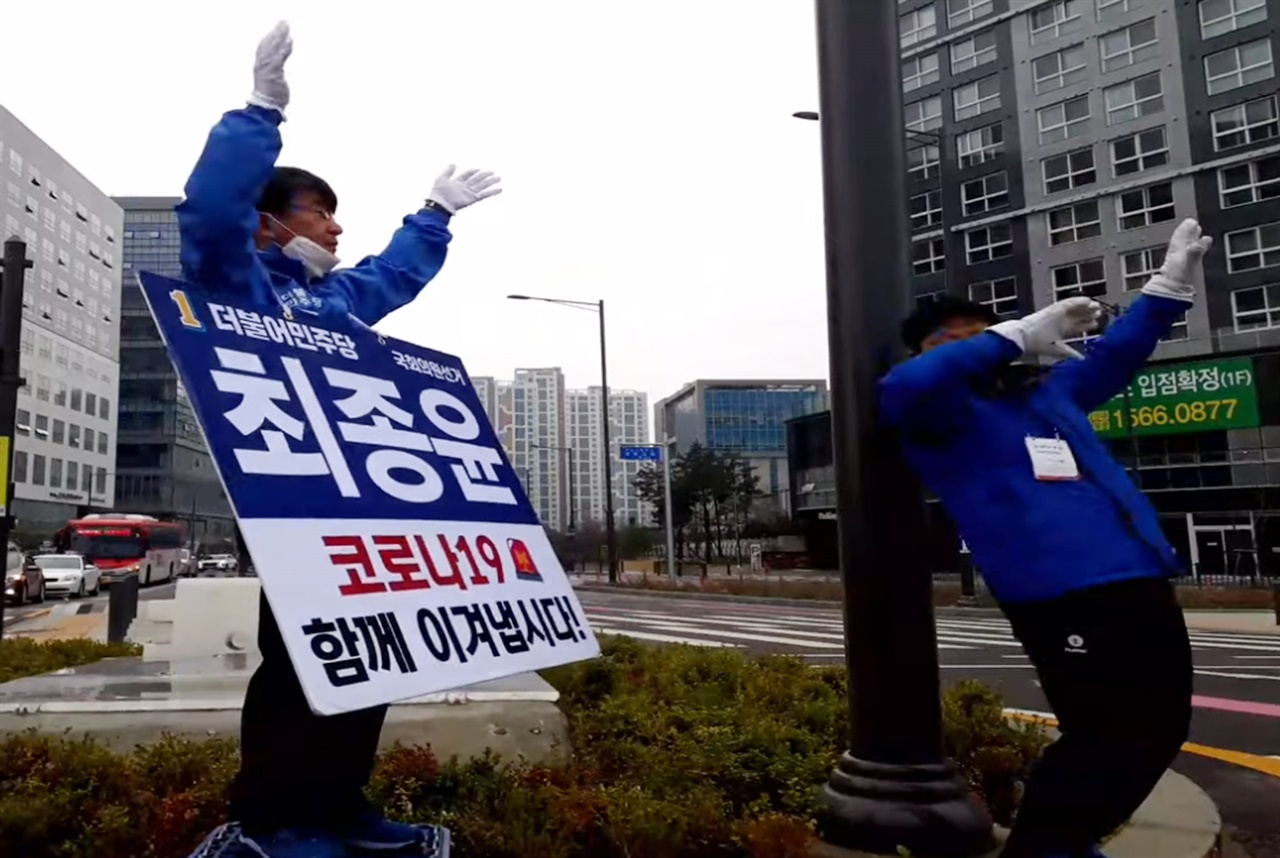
point(880, 808)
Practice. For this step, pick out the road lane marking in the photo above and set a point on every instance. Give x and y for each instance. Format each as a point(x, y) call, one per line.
point(1258, 763)
point(650, 636)
point(812, 639)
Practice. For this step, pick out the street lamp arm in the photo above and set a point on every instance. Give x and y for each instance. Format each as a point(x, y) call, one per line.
point(593, 306)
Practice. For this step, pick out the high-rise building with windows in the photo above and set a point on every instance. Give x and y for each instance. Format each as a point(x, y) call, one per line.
point(163, 467)
point(628, 424)
point(65, 428)
point(745, 417)
point(537, 442)
point(1053, 145)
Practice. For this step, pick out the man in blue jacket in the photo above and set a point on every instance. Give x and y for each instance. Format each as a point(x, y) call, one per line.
point(1069, 546)
point(268, 235)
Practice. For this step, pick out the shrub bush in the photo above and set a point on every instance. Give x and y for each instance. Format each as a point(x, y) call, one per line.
point(21, 657)
point(680, 752)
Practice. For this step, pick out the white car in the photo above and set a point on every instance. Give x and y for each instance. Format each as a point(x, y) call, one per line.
point(69, 573)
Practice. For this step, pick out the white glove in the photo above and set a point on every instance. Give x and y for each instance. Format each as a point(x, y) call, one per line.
point(270, 90)
point(458, 192)
point(1183, 264)
point(1041, 334)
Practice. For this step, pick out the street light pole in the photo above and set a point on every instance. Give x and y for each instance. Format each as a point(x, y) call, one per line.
point(894, 788)
point(14, 276)
point(611, 535)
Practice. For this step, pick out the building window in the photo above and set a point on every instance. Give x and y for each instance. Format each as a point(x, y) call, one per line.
point(924, 115)
point(1178, 331)
point(977, 50)
point(1253, 248)
point(19, 466)
point(918, 25)
point(1132, 99)
point(1145, 150)
point(1074, 223)
point(923, 161)
point(1218, 17)
point(1133, 44)
point(1256, 309)
point(1056, 70)
point(985, 194)
point(104, 408)
point(1108, 9)
point(100, 481)
point(1246, 184)
point(37, 470)
point(1239, 66)
point(988, 242)
point(1070, 170)
point(1080, 278)
point(1056, 19)
point(1063, 120)
point(55, 473)
point(59, 432)
point(928, 299)
point(1242, 124)
point(960, 12)
point(1000, 295)
point(102, 443)
point(928, 256)
point(1146, 206)
point(23, 422)
point(919, 71)
point(976, 98)
point(980, 145)
point(926, 210)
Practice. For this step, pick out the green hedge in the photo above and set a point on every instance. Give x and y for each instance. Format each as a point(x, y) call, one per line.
point(680, 752)
point(21, 657)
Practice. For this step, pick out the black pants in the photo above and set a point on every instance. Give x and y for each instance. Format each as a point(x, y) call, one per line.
point(1115, 663)
point(298, 768)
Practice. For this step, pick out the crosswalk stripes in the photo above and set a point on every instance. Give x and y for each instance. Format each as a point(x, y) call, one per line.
point(821, 634)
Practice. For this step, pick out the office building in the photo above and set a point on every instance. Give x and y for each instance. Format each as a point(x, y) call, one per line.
point(163, 467)
point(746, 417)
point(537, 442)
point(628, 424)
point(1053, 145)
point(65, 427)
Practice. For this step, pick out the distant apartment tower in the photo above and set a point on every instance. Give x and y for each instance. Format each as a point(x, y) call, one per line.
point(537, 441)
point(65, 428)
point(746, 417)
point(628, 424)
point(487, 391)
point(163, 467)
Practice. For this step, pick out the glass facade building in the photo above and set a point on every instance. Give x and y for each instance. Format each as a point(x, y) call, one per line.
point(163, 467)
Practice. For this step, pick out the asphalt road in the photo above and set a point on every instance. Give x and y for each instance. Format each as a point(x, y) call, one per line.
point(14, 615)
point(1237, 703)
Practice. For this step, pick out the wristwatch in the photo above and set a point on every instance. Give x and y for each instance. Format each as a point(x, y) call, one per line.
point(435, 206)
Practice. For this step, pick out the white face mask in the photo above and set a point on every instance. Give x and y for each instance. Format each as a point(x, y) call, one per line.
point(315, 259)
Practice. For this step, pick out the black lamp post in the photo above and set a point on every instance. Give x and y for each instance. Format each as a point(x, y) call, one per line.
point(611, 535)
point(894, 787)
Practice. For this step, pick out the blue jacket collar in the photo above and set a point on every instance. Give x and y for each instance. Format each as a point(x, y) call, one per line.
point(277, 263)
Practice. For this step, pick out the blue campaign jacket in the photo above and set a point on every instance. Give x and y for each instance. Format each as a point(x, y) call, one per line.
point(1033, 539)
point(218, 220)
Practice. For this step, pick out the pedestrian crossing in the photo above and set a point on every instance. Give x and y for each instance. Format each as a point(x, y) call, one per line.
point(820, 635)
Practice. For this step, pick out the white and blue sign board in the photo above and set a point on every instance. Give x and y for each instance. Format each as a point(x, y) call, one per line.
point(639, 453)
point(395, 544)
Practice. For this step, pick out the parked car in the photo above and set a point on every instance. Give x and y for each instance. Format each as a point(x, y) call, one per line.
point(71, 574)
point(216, 563)
point(187, 565)
point(23, 582)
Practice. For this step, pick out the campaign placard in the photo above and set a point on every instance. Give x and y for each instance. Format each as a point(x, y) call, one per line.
point(395, 544)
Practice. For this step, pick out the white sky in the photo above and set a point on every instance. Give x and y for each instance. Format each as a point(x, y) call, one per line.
point(646, 147)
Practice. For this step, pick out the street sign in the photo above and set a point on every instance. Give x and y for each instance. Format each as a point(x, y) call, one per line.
point(398, 550)
point(1184, 397)
point(640, 453)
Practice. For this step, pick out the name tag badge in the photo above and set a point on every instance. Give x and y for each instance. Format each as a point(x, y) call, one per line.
point(1052, 460)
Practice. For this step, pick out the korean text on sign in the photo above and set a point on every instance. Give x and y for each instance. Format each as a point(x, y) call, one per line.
point(384, 519)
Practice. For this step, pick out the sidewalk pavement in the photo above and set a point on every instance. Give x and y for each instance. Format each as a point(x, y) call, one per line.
point(1245, 622)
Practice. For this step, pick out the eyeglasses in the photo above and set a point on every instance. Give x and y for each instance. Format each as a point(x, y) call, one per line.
point(318, 212)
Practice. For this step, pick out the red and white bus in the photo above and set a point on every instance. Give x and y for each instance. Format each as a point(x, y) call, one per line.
point(123, 544)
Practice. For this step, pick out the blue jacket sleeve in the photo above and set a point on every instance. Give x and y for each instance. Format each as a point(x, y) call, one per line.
point(218, 217)
point(929, 394)
point(1116, 356)
point(379, 284)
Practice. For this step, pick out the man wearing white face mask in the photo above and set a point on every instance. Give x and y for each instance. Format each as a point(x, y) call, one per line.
point(268, 235)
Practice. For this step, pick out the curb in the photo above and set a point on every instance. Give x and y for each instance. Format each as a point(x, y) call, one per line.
point(639, 592)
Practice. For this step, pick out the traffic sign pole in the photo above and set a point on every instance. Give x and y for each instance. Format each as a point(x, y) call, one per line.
point(651, 453)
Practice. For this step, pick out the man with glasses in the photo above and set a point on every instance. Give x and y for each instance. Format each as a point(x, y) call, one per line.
point(268, 235)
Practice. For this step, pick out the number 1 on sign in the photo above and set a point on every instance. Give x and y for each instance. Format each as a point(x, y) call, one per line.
point(185, 313)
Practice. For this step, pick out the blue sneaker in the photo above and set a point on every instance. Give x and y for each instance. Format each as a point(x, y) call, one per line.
point(291, 843)
point(373, 832)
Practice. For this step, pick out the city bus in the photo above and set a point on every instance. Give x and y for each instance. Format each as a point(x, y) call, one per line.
point(123, 544)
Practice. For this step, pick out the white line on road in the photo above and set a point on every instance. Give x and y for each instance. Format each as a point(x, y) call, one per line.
point(745, 636)
point(1201, 644)
point(650, 636)
point(1237, 675)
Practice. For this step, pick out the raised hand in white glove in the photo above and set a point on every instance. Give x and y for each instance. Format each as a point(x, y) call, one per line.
point(270, 90)
point(1183, 264)
point(1041, 334)
point(457, 192)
